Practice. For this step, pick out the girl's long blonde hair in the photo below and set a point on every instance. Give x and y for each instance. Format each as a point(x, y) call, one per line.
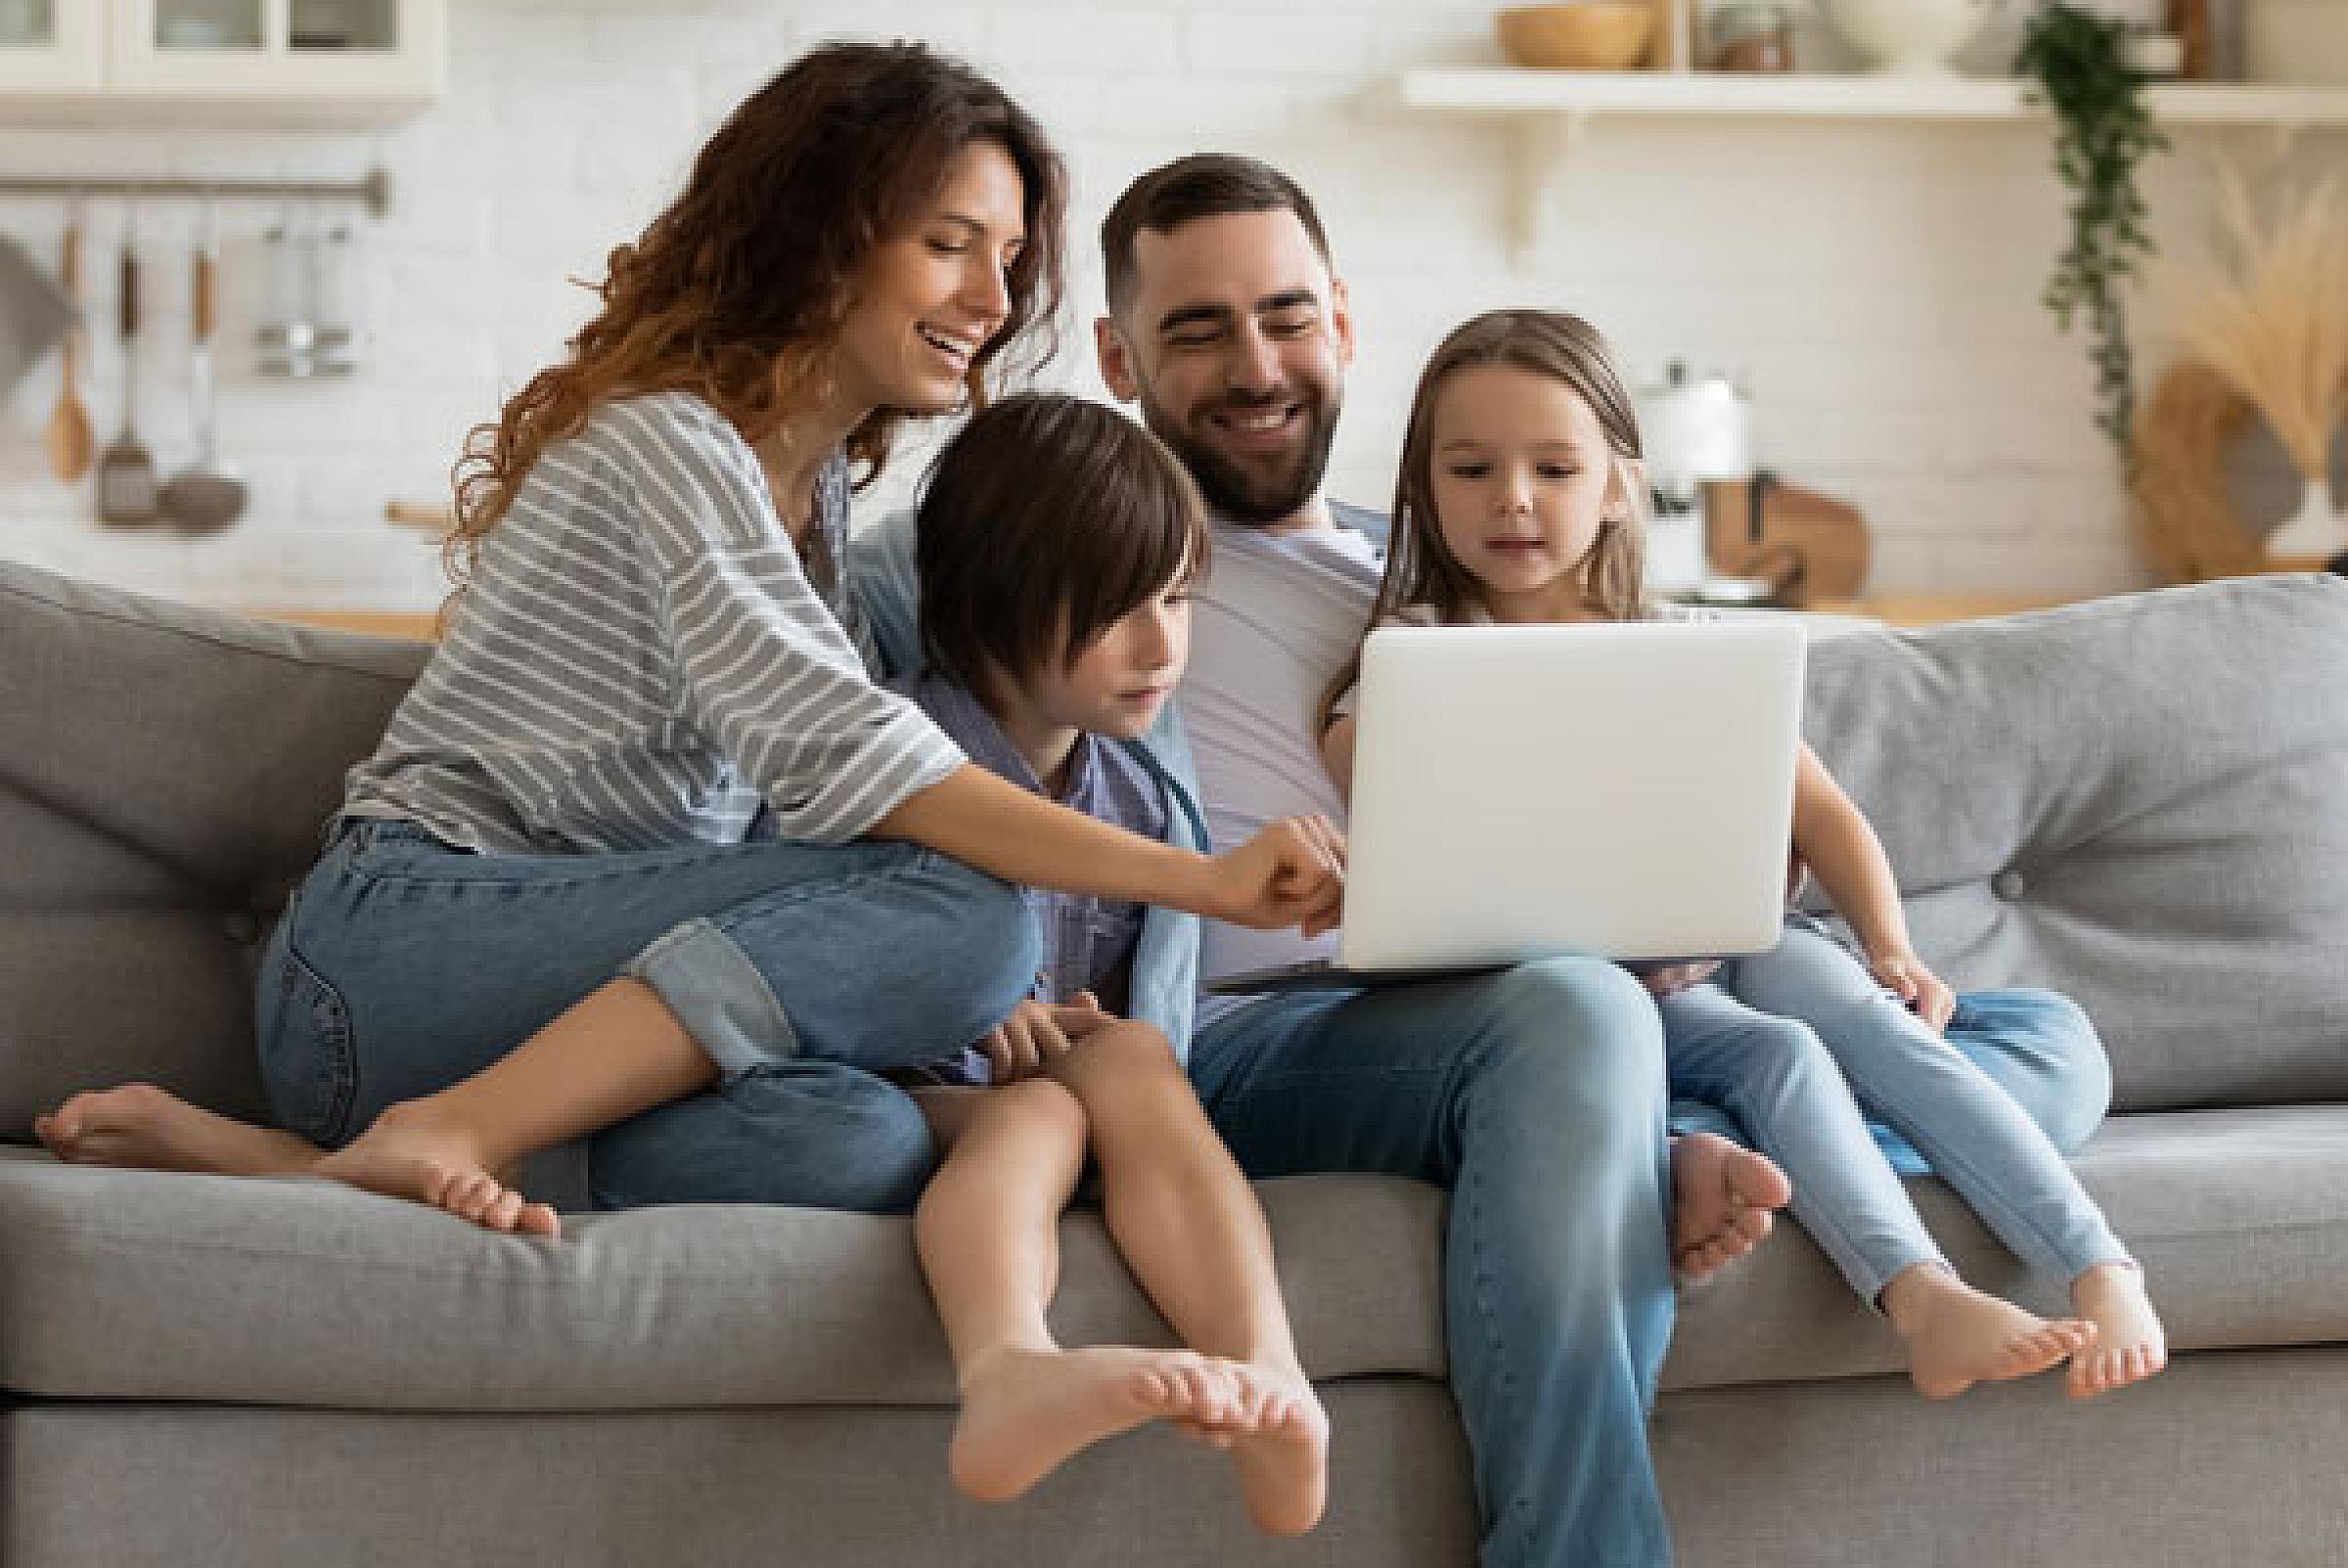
point(1420, 569)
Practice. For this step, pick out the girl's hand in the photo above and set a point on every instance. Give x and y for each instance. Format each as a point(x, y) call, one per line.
point(1904, 975)
point(1673, 978)
point(1039, 1033)
point(1291, 874)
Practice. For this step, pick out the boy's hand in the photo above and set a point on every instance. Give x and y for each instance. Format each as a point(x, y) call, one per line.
point(1037, 1033)
point(1905, 977)
point(1292, 873)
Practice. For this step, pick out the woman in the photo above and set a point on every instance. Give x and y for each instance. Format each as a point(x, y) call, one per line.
point(644, 840)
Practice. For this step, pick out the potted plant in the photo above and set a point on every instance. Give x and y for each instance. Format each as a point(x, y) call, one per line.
point(2103, 132)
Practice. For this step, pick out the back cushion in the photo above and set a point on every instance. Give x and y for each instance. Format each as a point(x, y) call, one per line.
point(164, 775)
point(2141, 802)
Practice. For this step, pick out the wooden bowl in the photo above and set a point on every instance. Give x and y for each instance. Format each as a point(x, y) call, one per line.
point(1589, 35)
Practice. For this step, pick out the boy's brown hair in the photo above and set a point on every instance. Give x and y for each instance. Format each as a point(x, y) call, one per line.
point(1045, 521)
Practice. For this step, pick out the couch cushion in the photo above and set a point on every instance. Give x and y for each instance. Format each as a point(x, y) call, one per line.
point(141, 1286)
point(132, 1284)
point(2141, 802)
point(2239, 1217)
point(164, 772)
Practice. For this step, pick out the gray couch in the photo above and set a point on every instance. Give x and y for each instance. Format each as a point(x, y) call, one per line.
point(2142, 801)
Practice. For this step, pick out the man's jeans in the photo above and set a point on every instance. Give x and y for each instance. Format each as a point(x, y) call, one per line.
point(1537, 1097)
point(804, 971)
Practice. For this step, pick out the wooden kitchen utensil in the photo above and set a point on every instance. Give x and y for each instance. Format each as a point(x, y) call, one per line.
point(208, 495)
point(126, 469)
point(69, 439)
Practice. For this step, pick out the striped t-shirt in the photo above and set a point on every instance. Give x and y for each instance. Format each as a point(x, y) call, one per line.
point(643, 659)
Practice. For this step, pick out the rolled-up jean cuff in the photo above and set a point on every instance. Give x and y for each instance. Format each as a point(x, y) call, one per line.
point(719, 996)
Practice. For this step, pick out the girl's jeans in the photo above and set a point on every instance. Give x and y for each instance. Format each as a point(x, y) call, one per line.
point(1801, 1047)
point(404, 966)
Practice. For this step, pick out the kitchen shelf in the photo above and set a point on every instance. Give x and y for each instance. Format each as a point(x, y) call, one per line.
point(1553, 109)
point(1818, 96)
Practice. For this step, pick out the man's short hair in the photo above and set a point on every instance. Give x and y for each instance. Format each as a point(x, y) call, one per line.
point(1204, 185)
point(1046, 520)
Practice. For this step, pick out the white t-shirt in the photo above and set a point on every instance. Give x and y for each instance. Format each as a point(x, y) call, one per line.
point(1276, 618)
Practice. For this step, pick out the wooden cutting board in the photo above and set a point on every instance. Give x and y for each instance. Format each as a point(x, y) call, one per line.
point(1824, 538)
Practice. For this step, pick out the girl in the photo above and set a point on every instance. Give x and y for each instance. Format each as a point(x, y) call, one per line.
point(644, 853)
point(1520, 500)
point(1056, 545)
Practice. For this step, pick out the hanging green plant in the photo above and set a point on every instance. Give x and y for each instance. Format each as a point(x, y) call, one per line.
point(2103, 132)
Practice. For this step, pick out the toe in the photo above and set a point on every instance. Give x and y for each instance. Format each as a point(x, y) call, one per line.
point(1191, 1394)
point(505, 1213)
point(469, 1195)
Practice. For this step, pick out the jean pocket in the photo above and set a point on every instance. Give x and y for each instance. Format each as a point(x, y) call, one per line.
point(307, 1066)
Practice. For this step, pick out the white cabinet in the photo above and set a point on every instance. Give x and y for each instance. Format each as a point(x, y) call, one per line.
point(52, 44)
point(223, 62)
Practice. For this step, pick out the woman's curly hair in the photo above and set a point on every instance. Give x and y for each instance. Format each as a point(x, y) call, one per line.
point(737, 292)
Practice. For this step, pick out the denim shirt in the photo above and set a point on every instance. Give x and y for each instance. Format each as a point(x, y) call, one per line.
point(886, 588)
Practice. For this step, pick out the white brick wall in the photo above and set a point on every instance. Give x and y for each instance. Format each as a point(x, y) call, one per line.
point(1879, 286)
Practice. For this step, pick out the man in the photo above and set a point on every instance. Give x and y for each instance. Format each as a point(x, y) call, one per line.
point(1536, 1097)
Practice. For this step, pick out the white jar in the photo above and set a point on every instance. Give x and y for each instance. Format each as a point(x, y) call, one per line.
point(2147, 16)
point(1908, 35)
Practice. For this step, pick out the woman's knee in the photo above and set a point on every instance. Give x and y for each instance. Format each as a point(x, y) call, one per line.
point(972, 935)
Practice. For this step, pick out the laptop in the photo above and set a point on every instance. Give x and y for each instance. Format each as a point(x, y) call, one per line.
point(1622, 791)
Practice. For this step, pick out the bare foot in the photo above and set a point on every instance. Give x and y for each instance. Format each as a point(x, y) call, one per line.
point(140, 1127)
point(2130, 1344)
point(1024, 1412)
point(411, 1153)
point(1283, 1459)
point(1957, 1336)
point(1723, 1198)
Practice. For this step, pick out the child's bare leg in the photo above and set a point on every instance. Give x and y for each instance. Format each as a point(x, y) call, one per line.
point(1724, 1199)
point(1957, 1336)
point(988, 1232)
point(2130, 1343)
point(1191, 1228)
point(140, 1127)
point(617, 1053)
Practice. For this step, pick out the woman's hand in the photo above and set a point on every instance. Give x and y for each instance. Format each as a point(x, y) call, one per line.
point(1292, 873)
point(1039, 1033)
point(1905, 975)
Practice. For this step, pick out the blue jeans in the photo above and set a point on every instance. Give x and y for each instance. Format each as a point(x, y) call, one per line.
point(1797, 1043)
point(1537, 1097)
point(403, 966)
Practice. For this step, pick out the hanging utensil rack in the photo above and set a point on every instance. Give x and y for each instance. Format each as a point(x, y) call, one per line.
point(371, 190)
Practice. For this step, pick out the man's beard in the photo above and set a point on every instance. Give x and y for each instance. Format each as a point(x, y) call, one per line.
point(1234, 494)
